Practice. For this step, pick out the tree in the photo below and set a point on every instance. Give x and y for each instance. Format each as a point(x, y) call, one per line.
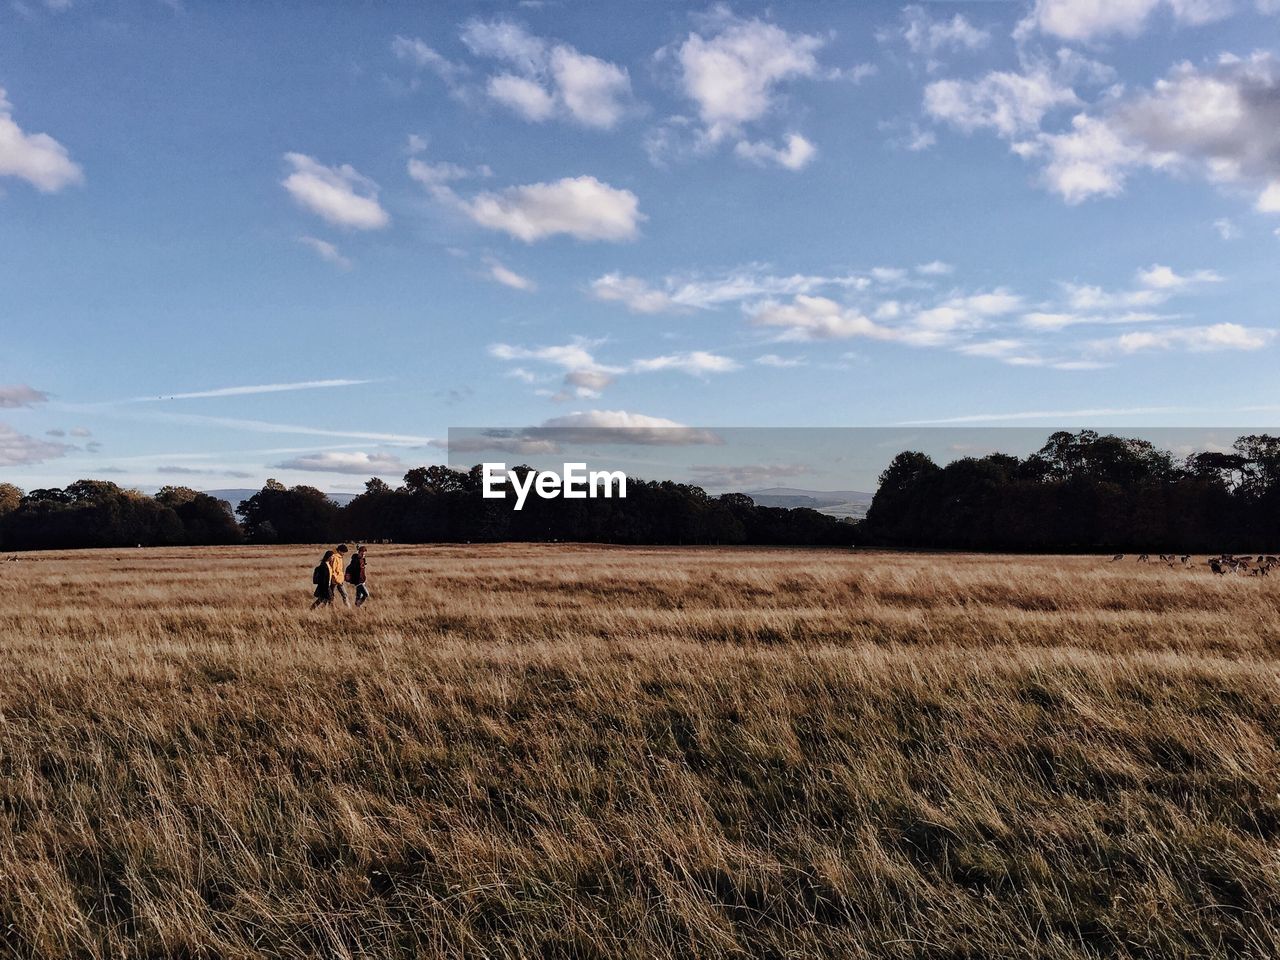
point(10, 497)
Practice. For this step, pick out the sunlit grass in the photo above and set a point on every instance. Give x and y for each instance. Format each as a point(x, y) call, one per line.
point(537, 751)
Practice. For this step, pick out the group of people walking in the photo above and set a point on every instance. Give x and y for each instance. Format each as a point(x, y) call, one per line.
point(333, 571)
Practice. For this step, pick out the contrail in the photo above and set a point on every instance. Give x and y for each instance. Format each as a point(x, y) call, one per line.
point(250, 390)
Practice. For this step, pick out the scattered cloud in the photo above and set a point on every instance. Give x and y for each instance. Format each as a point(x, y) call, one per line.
point(1218, 336)
point(930, 38)
point(550, 79)
point(1220, 121)
point(581, 207)
point(795, 155)
point(773, 360)
point(354, 462)
point(18, 449)
point(20, 395)
point(696, 362)
point(1092, 20)
point(326, 251)
point(935, 268)
point(416, 52)
point(1226, 228)
point(340, 195)
point(1006, 102)
point(34, 157)
point(679, 293)
point(509, 278)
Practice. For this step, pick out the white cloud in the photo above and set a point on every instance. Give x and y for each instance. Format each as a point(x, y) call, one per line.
point(773, 360)
point(732, 74)
point(575, 355)
point(18, 449)
point(1086, 20)
point(20, 395)
point(550, 79)
point(695, 362)
point(435, 174)
point(638, 296)
point(1226, 228)
point(581, 207)
point(326, 251)
point(355, 462)
point(522, 95)
point(417, 52)
point(796, 155)
point(509, 278)
point(592, 89)
point(818, 318)
point(622, 427)
point(935, 268)
point(1269, 199)
point(339, 195)
point(1008, 103)
point(1160, 277)
point(1222, 122)
point(1218, 336)
point(34, 157)
point(679, 293)
point(929, 38)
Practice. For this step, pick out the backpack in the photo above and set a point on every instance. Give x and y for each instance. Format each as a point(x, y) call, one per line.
point(320, 574)
point(353, 570)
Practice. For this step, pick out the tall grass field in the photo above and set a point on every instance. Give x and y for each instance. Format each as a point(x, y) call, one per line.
point(586, 752)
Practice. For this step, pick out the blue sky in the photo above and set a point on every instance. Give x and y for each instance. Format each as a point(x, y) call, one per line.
point(240, 241)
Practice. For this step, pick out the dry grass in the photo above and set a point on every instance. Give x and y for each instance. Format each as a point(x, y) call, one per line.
point(592, 752)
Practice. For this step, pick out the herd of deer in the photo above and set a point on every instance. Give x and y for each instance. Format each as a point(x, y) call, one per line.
point(1259, 566)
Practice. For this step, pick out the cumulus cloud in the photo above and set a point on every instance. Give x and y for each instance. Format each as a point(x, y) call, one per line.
point(34, 157)
point(353, 462)
point(581, 207)
point(1087, 20)
point(733, 73)
point(584, 376)
point(1008, 103)
point(635, 293)
point(18, 449)
point(795, 155)
point(773, 360)
point(326, 251)
point(339, 195)
point(550, 79)
point(1159, 277)
point(1221, 121)
point(21, 395)
point(935, 268)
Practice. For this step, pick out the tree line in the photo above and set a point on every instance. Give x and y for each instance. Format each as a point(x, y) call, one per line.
point(1082, 492)
point(434, 504)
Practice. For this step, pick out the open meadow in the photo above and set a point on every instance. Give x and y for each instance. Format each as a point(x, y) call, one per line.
point(581, 752)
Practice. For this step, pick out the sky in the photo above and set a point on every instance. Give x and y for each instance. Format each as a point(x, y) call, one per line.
point(241, 241)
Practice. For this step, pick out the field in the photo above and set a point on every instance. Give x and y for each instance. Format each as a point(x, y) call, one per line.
point(572, 751)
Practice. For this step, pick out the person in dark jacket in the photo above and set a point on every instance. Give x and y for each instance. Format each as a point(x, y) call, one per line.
point(357, 574)
point(323, 581)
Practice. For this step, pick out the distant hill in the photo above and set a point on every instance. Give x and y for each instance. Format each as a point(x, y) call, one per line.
point(835, 503)
point(235, 495)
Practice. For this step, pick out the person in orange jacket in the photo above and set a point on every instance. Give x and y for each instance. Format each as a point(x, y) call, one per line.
point(338, 572)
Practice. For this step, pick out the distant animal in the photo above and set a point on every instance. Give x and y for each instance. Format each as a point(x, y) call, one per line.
point(1118, 556)
point(1186, 559)
point(1217, 566)
point(1144, 558)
